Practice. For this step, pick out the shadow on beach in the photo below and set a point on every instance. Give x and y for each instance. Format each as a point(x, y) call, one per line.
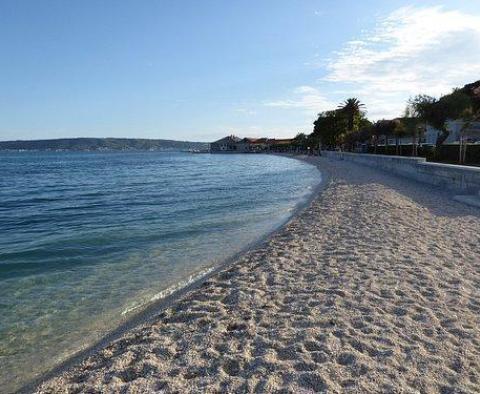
point(436, 199)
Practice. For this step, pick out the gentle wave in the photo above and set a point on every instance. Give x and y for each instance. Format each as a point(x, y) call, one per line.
point(88, 239)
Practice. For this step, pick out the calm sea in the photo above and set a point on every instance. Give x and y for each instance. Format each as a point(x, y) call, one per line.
point(88, 239)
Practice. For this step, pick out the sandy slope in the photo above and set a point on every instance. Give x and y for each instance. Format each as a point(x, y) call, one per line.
point(373, 288)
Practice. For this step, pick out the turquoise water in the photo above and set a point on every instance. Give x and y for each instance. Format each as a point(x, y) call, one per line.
point(88, 239)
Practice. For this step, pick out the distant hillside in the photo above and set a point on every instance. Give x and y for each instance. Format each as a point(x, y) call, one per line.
point(101, 144)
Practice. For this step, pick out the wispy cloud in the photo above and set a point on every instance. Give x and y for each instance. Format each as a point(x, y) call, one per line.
point(303, 97)
point(412, 50)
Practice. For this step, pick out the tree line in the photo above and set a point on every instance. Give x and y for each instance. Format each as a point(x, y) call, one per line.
point(347, 126)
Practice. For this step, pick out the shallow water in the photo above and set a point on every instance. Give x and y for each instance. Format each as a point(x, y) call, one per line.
point(87, 239)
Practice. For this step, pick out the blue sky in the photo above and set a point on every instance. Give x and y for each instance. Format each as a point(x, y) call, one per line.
point(198, 70)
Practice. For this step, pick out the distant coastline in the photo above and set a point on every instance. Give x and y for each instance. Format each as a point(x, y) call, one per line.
point(101, 144)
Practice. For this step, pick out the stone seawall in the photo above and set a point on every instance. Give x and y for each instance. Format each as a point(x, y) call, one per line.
point(459, 179)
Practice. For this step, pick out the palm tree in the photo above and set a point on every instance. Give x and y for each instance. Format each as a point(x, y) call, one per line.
point(351, 107)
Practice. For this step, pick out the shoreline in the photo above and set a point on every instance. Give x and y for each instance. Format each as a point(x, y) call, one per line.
point(373, 287)
point(149, 312)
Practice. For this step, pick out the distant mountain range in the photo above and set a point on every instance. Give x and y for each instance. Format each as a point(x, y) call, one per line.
point(102, 144)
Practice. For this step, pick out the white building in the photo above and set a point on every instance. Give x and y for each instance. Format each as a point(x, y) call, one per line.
point(472, 133)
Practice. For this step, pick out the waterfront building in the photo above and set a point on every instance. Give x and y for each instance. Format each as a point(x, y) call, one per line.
point(225, 145)
point(252, 145)
point(233, 144)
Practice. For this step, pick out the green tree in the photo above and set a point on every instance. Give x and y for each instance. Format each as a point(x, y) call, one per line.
point(328, 127)
point(352, 138)
point(375, 133)
point(352, 108)
point(300, 141)
point(384, 127)
point(420, 107)
point(463, 107)
point(399, 130)
point(437, 112)
point(413, 127)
